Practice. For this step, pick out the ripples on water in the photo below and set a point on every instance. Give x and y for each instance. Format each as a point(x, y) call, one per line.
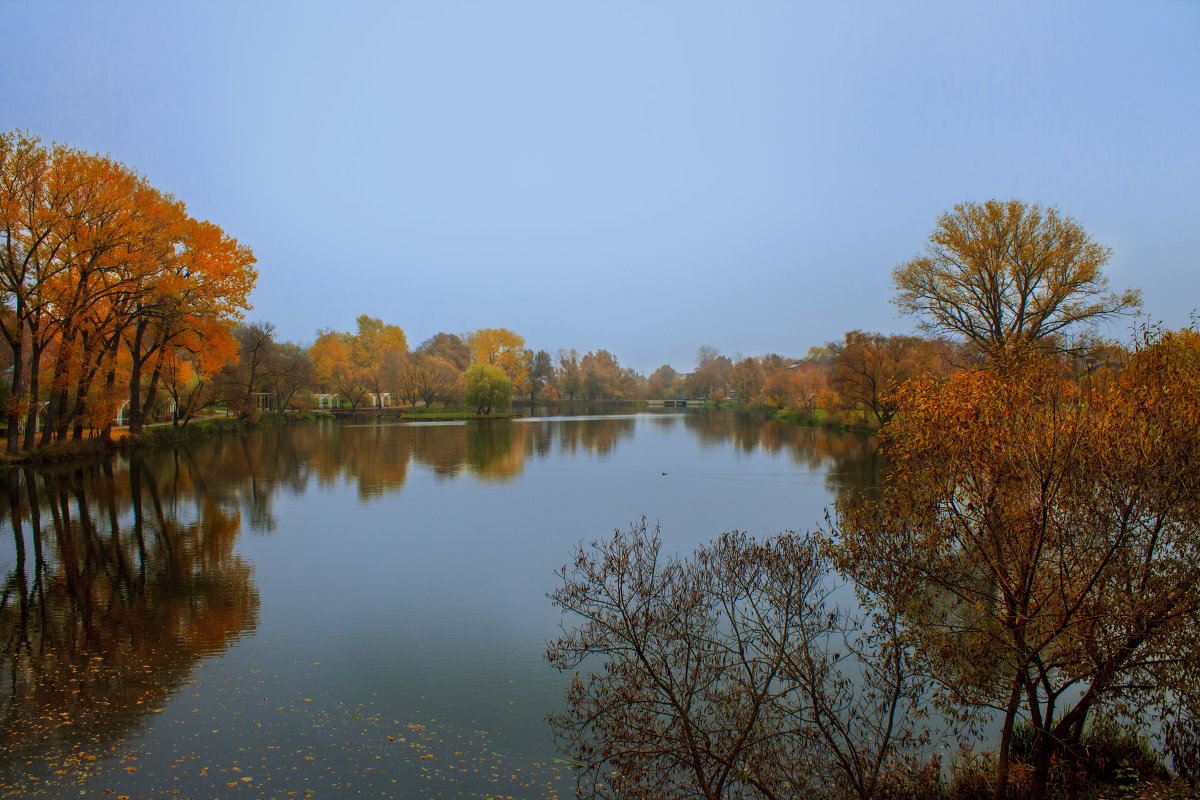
point(334, 608)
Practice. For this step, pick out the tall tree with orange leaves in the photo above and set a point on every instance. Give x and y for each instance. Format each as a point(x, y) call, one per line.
point(100, 269)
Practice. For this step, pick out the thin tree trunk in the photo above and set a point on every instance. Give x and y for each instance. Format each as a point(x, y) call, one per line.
point(35, 357)
point(1004, 758)
point(11, 417)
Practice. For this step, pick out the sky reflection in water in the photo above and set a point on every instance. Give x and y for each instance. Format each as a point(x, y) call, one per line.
point(347, 608)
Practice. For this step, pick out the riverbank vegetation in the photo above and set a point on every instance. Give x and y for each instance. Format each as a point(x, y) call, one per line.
point(121, 310)
point(1028, 565)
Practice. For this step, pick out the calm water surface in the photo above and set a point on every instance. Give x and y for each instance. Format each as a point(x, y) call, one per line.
point(346, 609)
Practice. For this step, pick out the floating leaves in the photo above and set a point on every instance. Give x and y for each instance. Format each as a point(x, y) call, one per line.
point(309, 748)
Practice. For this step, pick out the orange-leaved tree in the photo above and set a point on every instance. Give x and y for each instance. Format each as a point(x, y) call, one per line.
point(1053, 531)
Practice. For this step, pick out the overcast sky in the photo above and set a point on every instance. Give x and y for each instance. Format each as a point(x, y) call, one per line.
point(642, 176)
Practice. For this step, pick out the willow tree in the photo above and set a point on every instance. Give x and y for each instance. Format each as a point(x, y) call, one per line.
point(486, 387)
point(1005, 274)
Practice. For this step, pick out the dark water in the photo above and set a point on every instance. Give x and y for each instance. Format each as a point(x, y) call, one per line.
point(346, 610)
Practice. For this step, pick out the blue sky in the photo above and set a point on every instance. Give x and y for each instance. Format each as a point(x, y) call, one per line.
point(646, 177)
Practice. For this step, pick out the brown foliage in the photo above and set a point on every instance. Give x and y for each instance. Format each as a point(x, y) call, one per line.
point(1054, 531)
point(868, 368)
point(1007, 274)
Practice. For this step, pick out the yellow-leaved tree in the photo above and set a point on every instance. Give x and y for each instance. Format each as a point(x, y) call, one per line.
point(1007, 273)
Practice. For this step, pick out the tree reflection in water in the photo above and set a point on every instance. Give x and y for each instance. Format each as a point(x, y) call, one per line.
point(116, 592)
point(851, 461)
point(121, 576)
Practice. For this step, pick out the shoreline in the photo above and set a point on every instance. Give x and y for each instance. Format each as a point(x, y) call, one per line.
point(60, 453)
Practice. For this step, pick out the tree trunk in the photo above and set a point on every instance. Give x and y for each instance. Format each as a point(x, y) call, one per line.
point(136, 417)
point(151, 390)
point(1004, 758)
point(11, 417)
point(58, 385)
point(1043, 759)
point(35, 357)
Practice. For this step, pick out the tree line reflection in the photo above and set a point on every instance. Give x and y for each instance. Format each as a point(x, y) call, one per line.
point(122, 575)
point(852, 462)
point(117, 586)
point(246, 472)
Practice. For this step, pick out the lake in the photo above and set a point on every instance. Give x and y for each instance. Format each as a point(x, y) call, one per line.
point(342, 608)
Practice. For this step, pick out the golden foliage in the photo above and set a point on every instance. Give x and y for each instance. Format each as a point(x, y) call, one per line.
point(1006, 273)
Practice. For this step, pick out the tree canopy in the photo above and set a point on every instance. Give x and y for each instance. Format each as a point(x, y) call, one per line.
point(1041, 538)
point(486, 387)
point(1006, 273)
point(104, 279)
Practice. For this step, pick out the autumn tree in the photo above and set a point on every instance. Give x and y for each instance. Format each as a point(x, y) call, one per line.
point(747, 380)
point(1007, 274)
point(369, 345)
point(189, 370)
point(569, 377)
point(103, 275)
point(429, 379)
point(662, 382)
point(779, 388)
point(501, 348)
point(198, 292)
point(486, 387)
point(602, 376)
point(803, 385)
point(335, 372)
point(869, 367)
point(711, 376)
point(726, 674)
point(449, 347)
point(1041, 540)
point(811, 386)
point(360, 366)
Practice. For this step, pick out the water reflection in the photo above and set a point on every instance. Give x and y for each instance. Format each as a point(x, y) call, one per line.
point(116, 589)
point(123, 575)
point(852, 462)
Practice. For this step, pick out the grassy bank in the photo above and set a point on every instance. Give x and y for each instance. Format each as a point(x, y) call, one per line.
point(841, 422)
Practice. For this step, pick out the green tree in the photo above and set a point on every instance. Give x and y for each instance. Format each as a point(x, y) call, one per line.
point(541, 372)
point(486, 387)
